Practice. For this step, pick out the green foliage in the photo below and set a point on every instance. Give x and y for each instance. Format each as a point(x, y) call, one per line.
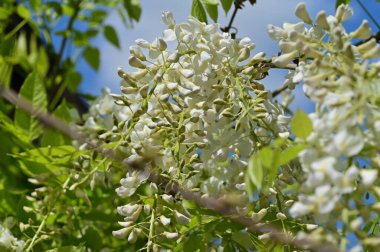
point(198, 11)
point(92, 57)
point(263, 165)
point(33, 90)
point(111, 35)
point(212, 9)
point(226, 4)
point(301, 125)
point(339, 2)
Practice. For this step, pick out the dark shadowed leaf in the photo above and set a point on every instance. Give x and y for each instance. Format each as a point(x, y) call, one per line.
point(111, 35)
point(92, 57)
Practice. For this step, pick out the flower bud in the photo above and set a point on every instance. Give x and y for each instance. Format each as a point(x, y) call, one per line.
point(180, 218)
point(280, 216)
point(144, 91)
point(363, 32)
point(168, 19)
point(301, 12)
point(311, 227)
point(284, 59)
point(165, 221)
point(135, 62)
point(343, 13)
point(122, 233)
point(136, 51)
point(132, 238)
point(244, 54)
point(322, 20)
point(170, 235)
point(373, 53)
point(173, 58)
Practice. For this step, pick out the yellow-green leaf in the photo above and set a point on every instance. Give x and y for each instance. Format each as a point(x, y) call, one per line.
point(301, 125)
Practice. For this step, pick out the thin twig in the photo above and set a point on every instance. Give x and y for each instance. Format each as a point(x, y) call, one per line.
point(279, 91)
point(219, 206)
point(368, 13)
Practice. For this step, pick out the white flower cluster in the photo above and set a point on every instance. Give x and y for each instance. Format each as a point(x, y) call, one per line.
point(190, 114)
point(9, 242)
point(344, 86)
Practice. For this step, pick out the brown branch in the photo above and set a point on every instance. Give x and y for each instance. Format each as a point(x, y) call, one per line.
point(219, 206)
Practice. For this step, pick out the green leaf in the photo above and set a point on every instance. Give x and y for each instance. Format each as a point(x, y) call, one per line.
point(339, 2)
point(32, 89)
point(111, 35)
point(92, 57)
point(198, 11)
point(23, 12)
point(290, 154)
point(301, 125)
point(133, 9)
point(61, 155)
point(226, 4)
point(255, 171)
point(194, 243)
point(93, 239)
point(54, 137)
point(212, 9)
point(244, 239)
point(73, 80)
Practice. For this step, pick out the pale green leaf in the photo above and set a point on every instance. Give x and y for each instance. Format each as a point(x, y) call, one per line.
point(92, 57)
point(290, 153)
point(33, 90)
point(111, 35)
point(212, 10)
point(301, 125)
point(23, 12)
point(198, 11)
point(255, 171)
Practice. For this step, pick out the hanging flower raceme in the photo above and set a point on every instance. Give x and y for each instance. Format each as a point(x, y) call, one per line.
point(342, 79)
point(189, 114)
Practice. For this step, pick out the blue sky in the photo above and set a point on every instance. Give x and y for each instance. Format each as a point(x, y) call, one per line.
point(251, 21)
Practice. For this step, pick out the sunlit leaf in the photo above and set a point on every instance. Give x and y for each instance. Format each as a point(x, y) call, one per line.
point(212, 11)
point(198, 11)
point(290, 153)
point(23, 11)
point(255, 171)
point(301, 125)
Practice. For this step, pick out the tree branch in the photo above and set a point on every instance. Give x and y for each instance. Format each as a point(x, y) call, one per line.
point(219, 206)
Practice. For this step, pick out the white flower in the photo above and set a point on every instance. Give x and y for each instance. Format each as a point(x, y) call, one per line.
point(368, 176)
point(349, 143)
point(302, 13)
point(168, 19)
